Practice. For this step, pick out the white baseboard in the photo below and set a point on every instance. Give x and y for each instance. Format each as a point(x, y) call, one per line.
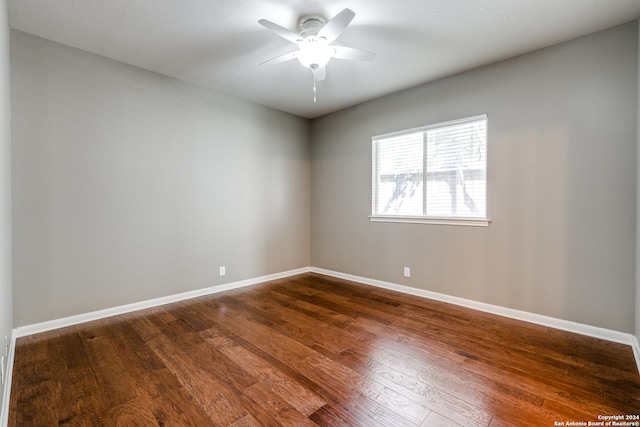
point(588, 330)
point(565, 325)
point(636, 351)
point(4, 409)
point(128, 308)
point(23, 331)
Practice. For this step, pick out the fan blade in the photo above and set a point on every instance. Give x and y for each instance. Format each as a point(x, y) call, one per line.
point(282, 58)
point(281, 31)
point(320, 73)
point(342, 52)
point(336, 25)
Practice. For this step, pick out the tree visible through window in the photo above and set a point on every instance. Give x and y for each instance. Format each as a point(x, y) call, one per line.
point(436, 171)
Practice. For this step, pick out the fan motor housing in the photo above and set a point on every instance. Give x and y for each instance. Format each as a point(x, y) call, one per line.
point(310, 25)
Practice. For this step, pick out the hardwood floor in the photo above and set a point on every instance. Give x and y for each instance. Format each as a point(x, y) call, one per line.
point(312, 350)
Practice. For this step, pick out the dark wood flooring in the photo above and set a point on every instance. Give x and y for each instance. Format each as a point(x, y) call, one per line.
point(312, 350)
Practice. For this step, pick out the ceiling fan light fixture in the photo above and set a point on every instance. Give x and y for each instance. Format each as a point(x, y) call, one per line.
point(315, 53)
point(314, 43)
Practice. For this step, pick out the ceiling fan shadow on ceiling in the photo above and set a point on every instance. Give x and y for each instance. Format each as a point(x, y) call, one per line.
point(314, 43)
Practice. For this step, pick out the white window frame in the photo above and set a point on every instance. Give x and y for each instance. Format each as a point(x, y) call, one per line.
point(468, 221)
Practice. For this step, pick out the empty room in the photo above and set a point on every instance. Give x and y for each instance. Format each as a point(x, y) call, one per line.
point(319, 213)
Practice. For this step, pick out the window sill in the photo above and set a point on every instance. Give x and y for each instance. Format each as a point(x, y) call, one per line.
point(473, 222)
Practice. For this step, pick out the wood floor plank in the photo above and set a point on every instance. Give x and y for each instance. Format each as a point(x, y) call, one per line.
point(437, 420)
point(341, 377)
point(556, 388)
point(247, 421)
point(305, 401)
point(279, 408)
point(316, 350)
point(36, 404)
point(306, 329)
point(134, 413)
point(463, 401)
point(78, 382)
point(312, 310)
point(113, 379)
point(217, 400)
point(171, 403)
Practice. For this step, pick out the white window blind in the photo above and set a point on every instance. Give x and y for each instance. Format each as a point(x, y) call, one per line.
point(436, 172)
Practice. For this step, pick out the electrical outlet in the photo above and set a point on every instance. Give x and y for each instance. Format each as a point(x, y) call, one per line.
point(223, 270)
point(407, 272)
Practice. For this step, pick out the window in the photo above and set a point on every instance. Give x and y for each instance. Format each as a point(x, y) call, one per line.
point(435, 173)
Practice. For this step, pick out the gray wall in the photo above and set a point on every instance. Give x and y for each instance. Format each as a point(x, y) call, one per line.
point(562, 185)
point(128, 185)
point(6, 306)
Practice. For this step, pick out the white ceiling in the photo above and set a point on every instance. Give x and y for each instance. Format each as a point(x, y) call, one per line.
point(218, 44)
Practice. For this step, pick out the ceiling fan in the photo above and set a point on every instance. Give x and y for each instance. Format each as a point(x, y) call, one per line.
point(314, 43)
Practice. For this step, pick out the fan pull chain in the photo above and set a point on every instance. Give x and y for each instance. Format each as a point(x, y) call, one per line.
point(314, 88)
